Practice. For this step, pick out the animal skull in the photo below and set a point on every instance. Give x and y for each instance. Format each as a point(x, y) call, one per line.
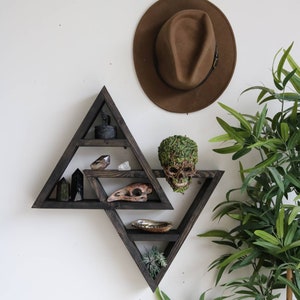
point(179, 175)
point(136, 192)
point(178, 156)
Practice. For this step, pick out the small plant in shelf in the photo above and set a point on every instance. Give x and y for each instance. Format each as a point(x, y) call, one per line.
point(154, 261)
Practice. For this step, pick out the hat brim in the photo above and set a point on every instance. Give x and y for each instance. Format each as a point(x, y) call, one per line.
point(156, 89)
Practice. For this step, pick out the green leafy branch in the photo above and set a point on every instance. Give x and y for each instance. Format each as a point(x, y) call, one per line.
point(266, 232)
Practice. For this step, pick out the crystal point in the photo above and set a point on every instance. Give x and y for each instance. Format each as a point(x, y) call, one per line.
point(77, 186)
point(63, 190)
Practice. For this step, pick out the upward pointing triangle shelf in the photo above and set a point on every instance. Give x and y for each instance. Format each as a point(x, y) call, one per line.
point(123, 139)
point(175, 237)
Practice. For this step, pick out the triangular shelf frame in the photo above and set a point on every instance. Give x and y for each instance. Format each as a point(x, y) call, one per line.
point(79, 140)
point(175, 237)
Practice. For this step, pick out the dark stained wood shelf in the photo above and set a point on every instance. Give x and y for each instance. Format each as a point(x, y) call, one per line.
point(139, 235)
point(157, 199)
point(103, 143)
point(115, 173)
point(140, 173)
point(96, 204)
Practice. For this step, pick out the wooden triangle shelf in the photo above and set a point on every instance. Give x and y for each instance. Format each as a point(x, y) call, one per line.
point(175, 237)
point(158, 201)
point(82, 138)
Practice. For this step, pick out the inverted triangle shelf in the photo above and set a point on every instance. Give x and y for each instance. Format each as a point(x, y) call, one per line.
point(84, 137)
point(175, 237)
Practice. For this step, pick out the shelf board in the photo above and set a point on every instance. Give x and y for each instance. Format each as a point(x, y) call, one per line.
point(115, 173)
point(96, 204)
point(107, 173)
point(139, 235)
point(103, 143)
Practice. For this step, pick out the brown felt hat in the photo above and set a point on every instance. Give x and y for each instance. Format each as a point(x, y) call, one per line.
point(184, 54)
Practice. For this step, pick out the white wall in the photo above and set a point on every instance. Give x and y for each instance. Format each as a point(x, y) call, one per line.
point(55, 56)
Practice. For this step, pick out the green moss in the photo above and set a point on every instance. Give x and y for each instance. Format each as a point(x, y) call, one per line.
point(177, 149)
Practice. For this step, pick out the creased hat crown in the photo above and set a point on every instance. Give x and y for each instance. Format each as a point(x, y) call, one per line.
point(185, 49)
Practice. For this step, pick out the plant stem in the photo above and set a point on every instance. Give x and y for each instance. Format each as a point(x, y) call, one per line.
point(289, 292)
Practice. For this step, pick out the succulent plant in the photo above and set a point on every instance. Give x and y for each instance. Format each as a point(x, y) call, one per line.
point(154, 261)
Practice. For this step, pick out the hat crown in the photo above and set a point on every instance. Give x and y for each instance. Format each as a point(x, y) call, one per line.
point(185, 49)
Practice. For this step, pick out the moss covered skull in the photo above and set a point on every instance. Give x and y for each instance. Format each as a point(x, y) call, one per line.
point(178, 156)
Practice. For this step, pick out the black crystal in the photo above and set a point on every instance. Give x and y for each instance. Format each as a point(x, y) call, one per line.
point(77, 186)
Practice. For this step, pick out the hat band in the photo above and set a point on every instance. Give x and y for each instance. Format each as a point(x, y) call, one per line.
point(213, 66)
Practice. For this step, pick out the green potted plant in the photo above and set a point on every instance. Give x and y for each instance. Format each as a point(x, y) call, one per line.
point(265, 237)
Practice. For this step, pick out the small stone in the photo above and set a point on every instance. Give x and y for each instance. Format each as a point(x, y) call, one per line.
point(124, 166)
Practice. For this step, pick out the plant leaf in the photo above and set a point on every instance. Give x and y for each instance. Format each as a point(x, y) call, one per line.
point(287, 96)
point(295, 244)
point(238, 116)
point(282, 61)
point(235, 256)
point(277, 177)
point(288, 77)
point(290, 234)
point(202, 296)
point(260, 122)
point(294, 113)
point(220, 138)
point(271, 143)
point(238, 154)
point(271, 97)
point(294, 213)
point(230, 149)
point(230, 130)
point(294, 140)
point(294, 80)
point(293, 64)
point(284, 131)
point(214, 233)
point(161, 295)
point(280, 223)
point(261, 95)
point(267, 237)
point(273, 249)
point(265, 163)
point(290, 284)
point(292, 179)
point(259, 87)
